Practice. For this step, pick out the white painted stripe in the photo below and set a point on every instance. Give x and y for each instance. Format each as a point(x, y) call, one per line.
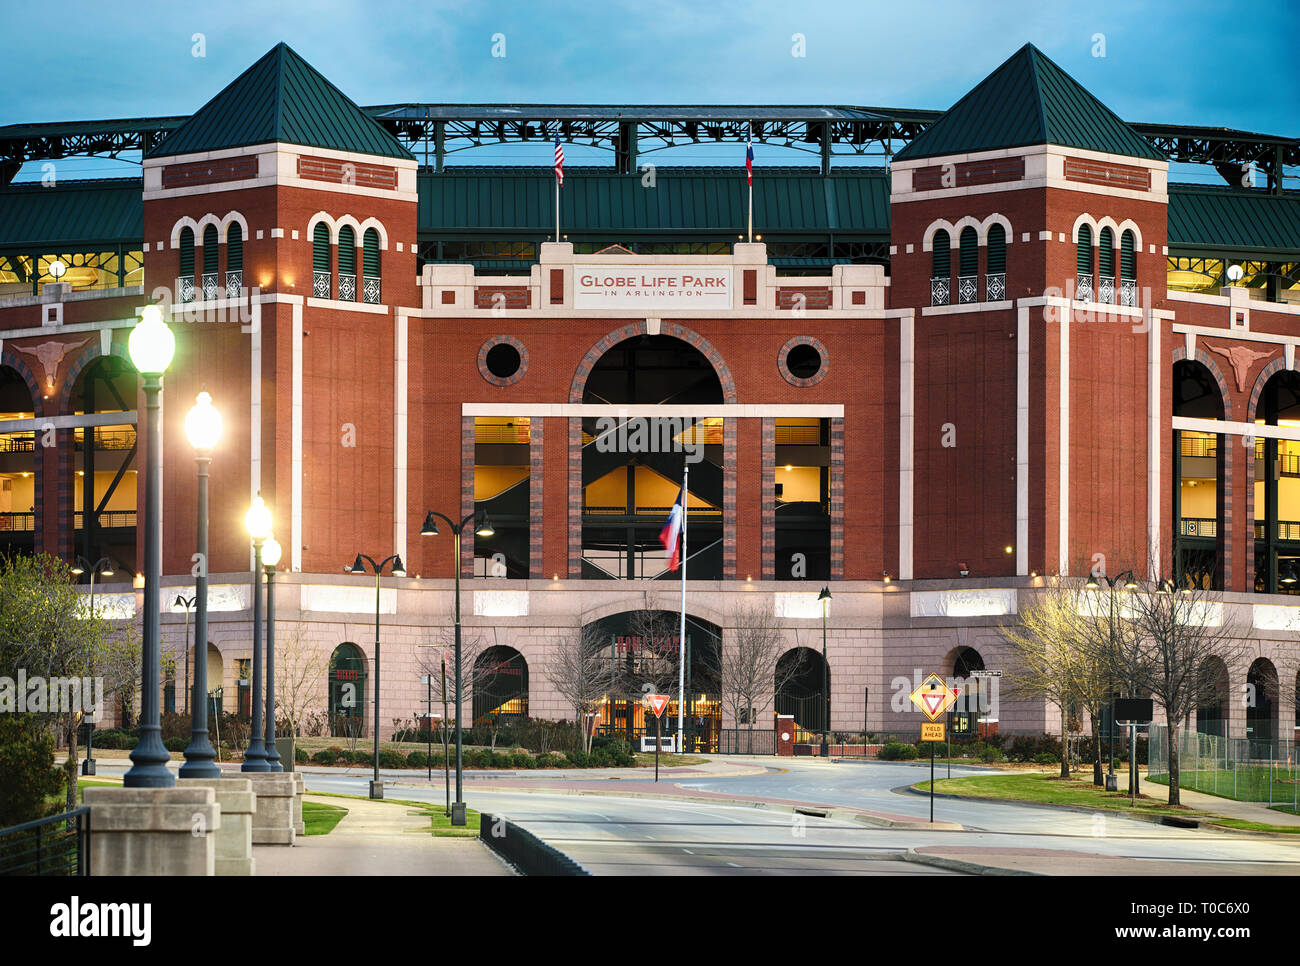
point(735, 410)
point(1154, 397)
point(1022, 441)
point(1064, 447)
point(400, 432)
point(1235, 428)
point(906, 441)
point(295, 499)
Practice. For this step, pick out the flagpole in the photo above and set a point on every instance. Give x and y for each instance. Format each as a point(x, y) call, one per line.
point(681, 637)
point(557, 207)
point(749, 147)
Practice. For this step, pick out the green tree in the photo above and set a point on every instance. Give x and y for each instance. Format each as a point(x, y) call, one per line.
point(27, 772)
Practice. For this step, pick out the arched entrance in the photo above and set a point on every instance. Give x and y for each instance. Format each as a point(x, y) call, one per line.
point(1261, 707)
point(17, 467)
point(1277, 494)
point(500, 685)
point(803, 683)
point(643, 648)
point(632, 467)
point(347, 691)
point(1212, 699)
point(1197, 479)
point(216, 680)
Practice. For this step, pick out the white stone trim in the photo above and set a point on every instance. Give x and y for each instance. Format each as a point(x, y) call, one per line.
point(1155, 394)
point(997, 218)
point(1084, 219)
point(295, 445)
point(734, 410)
point(371, 308)
point(1235, 428)
point(277, 232)
point(255, 412)
point(401, 361)
point(181, 224)
point(927, 241)
point(1063, 492)
point(906, 442)
point(963, 307)
point(378, 226)
point(1022, 440)
point(1044, 236)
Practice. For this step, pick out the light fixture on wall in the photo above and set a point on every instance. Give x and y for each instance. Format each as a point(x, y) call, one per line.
point(963, 570)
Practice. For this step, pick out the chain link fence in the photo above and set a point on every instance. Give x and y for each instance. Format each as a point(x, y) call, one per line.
point(1245, 769)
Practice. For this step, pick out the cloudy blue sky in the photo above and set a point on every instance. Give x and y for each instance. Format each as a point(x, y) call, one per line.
point(1191, 62)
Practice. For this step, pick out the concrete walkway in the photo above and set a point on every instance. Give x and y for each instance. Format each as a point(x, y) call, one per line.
point(378, 838)
point(1202, 802)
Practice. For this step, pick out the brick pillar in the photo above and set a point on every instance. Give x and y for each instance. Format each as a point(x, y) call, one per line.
point(467, 494)
point(767, 497)
point(1237, 498)
point(554, 521)
point(837, 499)
point(752, 529)
point(575, 496)
point(536, 486)
point(59, 491)
point(728, 498)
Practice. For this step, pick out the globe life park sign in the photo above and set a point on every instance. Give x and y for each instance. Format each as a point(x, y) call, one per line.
point(652, 287)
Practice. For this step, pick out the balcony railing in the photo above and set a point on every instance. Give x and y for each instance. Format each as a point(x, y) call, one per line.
point(1128, 292)
point(1106, 290)
point(1083, 287)
point(1198, 527)
point(968, 289)
point(1198, 445)
point(347, 287)
point(939, 291)
point(18, 522)
point(209, 286)
point(234, 283)
point(370, 289)
point(118, 440)
point(108, 519)
point(995, 286)
point(185, 288)
point(651, 511)
point(1286, 529)
point(321, 286)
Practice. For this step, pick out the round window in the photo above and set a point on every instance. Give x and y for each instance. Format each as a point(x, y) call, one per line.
point(802, 361)
point(502, 360)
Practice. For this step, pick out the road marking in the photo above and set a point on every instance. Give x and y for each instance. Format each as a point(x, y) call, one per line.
point(688, 851)
point(733, 865)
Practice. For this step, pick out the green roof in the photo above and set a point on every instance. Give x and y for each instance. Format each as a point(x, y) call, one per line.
point(683, 202)
point(1028, 100)
point(71, 214)
point(281, 98)
point(1234, 221)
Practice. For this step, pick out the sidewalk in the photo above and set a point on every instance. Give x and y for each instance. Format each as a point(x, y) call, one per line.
point(1203, 802)
point(378, 838)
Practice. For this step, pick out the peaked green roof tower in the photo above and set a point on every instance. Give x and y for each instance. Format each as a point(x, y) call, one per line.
point(1028, 100)
point(281, 98)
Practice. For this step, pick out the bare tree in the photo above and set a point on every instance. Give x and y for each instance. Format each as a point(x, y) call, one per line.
point(749, 669)
point(301, 678)
point(579, 672)
point(650, 664)
point(430, 661)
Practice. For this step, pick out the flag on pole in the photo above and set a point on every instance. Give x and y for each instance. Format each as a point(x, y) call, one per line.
point(670, 535)
point(749, 155)
point(559, 162)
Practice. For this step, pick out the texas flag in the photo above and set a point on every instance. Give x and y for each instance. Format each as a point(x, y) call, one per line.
point(749, 156)
point(670, 535)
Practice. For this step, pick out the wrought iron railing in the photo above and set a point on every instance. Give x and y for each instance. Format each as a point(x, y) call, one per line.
point(1198, 527)
point(321, 286)
point(347, 287)
point(995, 286)
point(209, 286)
point(185, 288)
point(502, 433)
point(117, 439)
point(1106, 290)
point(234, 283)
point(1286, 529)
point(20, 522)
point(1199, 445)
point(939, 291)
point(1128, 292)
point(370, 289)
point(968, 289)
point(1083, 287)
point(18, 443)
point(107, 519)
point(58, 845)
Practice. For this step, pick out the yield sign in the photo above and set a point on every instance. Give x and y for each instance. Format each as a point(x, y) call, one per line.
point(934, 697)
point(657, 703)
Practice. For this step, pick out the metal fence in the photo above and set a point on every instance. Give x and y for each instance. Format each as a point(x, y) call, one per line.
point(746, 741)
point(58, 845)
point(524, 850)
point(1246, 769)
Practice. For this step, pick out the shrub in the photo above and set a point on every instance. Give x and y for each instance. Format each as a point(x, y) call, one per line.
point(897, 751)
point(522, 759)
point(578, 759)
point(174, 724)
point(990, 754)
point(417, 759)
point(1047, 758)
point(391, 759)
point(175, 744)
point(548, 760)
point(300, 755)
point(113, 738)
point(27, 772)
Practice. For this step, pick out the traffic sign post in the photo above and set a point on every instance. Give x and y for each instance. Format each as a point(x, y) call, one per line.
point(934, 698)
point(657, 703)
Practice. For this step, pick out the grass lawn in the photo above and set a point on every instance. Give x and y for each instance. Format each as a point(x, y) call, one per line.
point(319, 818)
point(1259, 826)
point(1249, 783)
point(666, 760)
point(1049, 789)
point(440, 822)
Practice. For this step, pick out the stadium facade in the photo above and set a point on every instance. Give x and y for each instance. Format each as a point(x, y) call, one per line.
point(1015, 352)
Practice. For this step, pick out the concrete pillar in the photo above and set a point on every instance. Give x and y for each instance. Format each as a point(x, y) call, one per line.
point(300, 788)
point(153, 831)
point(273, 819)
point(234, 842)
point(785, 735)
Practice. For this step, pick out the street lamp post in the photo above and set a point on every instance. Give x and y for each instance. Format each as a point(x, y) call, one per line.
point(825, 597)
point(1129, 582)
point(358, 567)
point(258, 522)
point(151, 347)
point(271, 557)
point(80, 567)
point(186, 602)
point(430, 529)
point(203, 427)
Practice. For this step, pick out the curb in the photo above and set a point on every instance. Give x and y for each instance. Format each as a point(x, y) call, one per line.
point(961, 865)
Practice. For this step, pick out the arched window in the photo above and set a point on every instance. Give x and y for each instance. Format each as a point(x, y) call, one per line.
point(322, 286)
point(370, 266)
point(1127, 269)
point(210, 262)
point(1106, 266)
point(187, 265)
point(969, 266)
point(995, 278)
point(347, 264)
point(940, 268)
point(234, 260)
point(1083, 264)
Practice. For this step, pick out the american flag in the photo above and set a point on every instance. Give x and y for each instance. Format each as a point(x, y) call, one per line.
point(749, 156)
point(559, 162)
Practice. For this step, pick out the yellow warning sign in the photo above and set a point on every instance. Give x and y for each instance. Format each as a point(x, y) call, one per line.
point(934, 697)
point(932, 731)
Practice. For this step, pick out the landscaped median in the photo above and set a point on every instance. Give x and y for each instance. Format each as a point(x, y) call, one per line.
point(1042, 788)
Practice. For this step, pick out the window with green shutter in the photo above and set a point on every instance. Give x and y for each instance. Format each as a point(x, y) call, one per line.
point(320, 248)
point(941, 256)
point(210, 250)
point(997, 250)
point(347, 251)
point(187, 251)
point(1106, 252)
point(1085, 250)
point(370, 253)
point(1127, 255)
point(235, 248)
point(970, 252)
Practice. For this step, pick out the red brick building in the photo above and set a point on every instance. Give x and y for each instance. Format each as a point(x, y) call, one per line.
point(1027, 385)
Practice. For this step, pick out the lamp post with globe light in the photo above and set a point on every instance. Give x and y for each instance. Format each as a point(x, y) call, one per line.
point(258, 522)
point(271, 557)
point(152, 345)
point(359, 567)
point(203, 427)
